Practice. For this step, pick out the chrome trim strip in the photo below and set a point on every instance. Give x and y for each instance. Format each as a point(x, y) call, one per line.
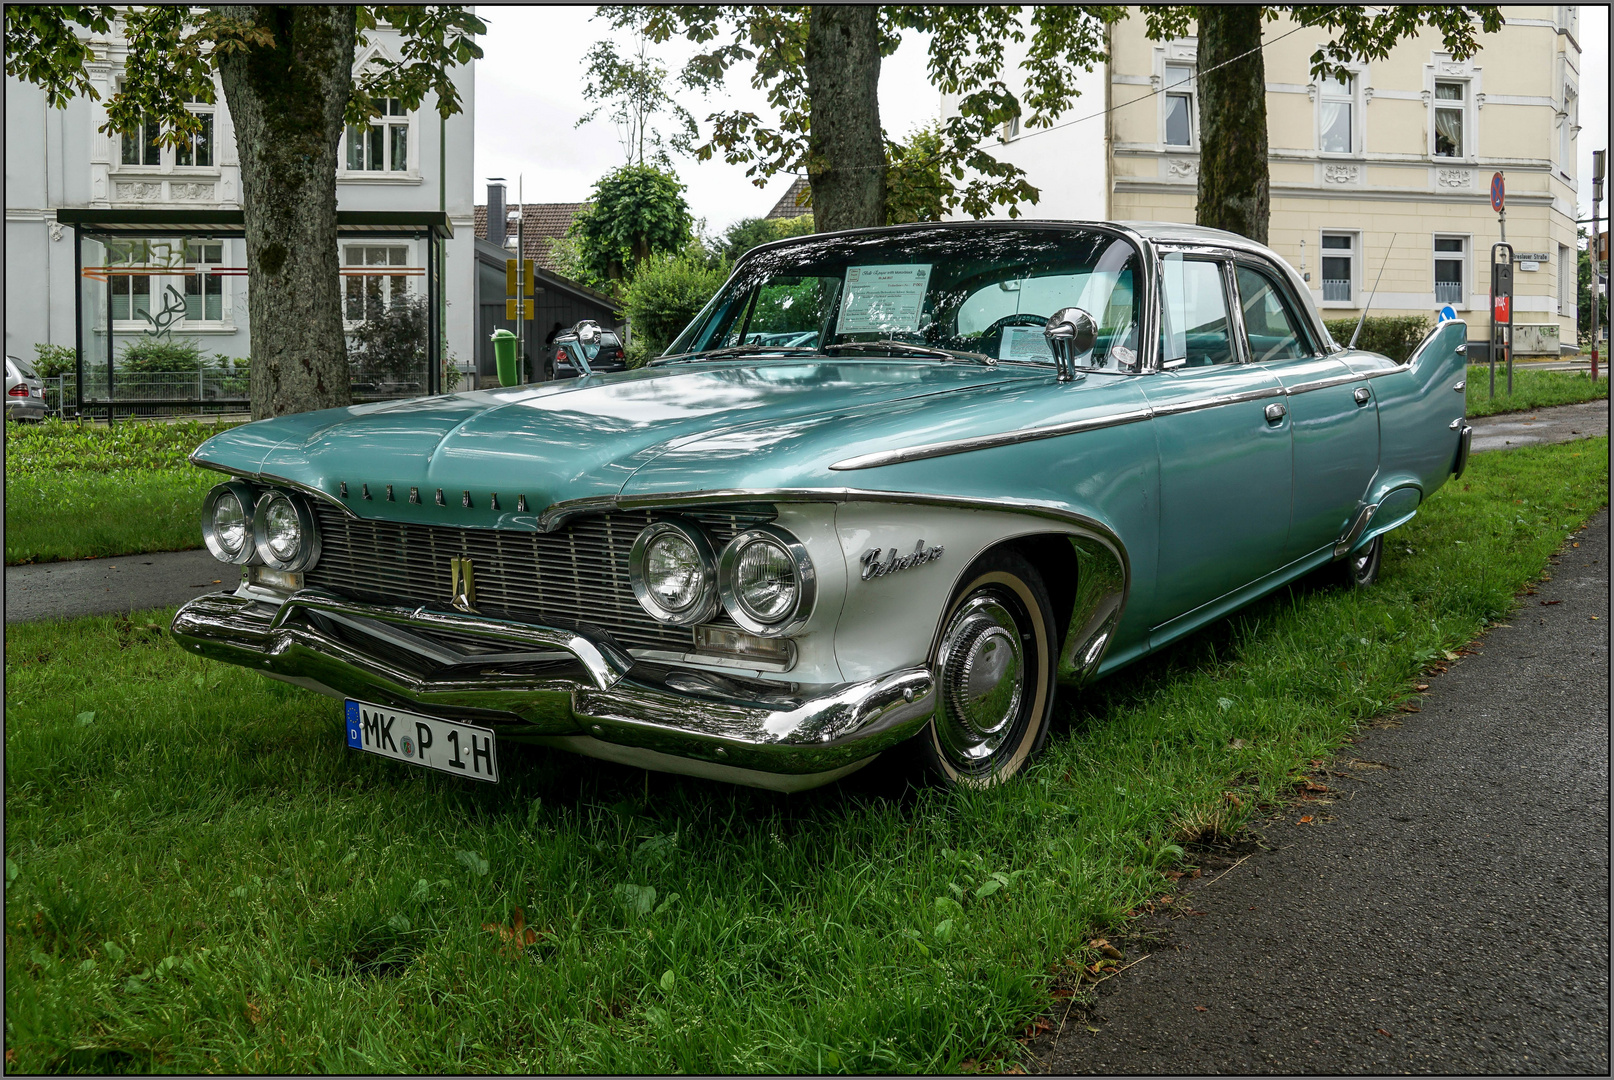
point(271, 478)
point(1320, 384)
point(1196, 404)
point(986, 442)
point(1363, 516)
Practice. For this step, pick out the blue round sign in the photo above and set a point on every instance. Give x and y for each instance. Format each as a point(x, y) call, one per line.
point(1498, 192)
point(1448, 314)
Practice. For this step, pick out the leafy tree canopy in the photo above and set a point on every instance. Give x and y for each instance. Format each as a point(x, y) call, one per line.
point(635, 87)
point(965, 59)
point(634, 212)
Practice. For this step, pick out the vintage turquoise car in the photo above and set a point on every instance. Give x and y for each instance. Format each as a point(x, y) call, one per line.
point(891, 488)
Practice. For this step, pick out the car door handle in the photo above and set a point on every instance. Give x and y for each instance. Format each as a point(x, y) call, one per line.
point(1276, 412)
point(1362, 395)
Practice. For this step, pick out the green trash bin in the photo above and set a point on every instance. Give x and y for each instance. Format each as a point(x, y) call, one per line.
point(504, 353)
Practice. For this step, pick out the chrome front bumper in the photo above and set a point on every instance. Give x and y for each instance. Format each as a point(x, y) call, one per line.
point(563, 688)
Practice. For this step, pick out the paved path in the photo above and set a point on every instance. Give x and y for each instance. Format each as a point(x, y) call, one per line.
point(1561, 423)
point(64, 590)
point(1449, 913)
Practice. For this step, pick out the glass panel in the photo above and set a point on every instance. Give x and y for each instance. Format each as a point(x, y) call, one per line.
point(375, 256)
point(1342, 242)
point(153, 152)
point(1448, 243)
point(397, 257)
point(355, 148)
point(131, 149)
point(1449, 91)
point(94, 286)
point(399, 147)
point(395, 107)
point(204, 141)
point(1336, 277)
point(1448, 133)
point(193, 296)
point(1336, 127)
point(1267, 320)
point(1339, 87)
point(1178, 128)
point(1177, 74)
point(355, 298)
point(120, 296)
point(214, 295)
point(375, 161)
point(353, 255)
point(1448, 270)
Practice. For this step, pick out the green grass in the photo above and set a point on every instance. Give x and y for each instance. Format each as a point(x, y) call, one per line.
point(77, 491)
point(200, 877)
point(1531, 389)
point(82, 515)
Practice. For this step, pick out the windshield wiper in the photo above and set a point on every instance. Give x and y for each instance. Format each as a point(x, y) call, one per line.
point(874, 348)
point(738, 350)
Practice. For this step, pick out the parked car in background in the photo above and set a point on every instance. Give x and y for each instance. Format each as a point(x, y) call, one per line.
point(1010, 458)
point(602, 354)
point(25, 391)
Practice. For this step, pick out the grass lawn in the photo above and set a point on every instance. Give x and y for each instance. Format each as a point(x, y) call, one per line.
point(79, 491)
point(1531, 389)
point(200, 877)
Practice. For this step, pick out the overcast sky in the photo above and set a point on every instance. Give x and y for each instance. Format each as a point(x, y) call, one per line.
point(529, 93)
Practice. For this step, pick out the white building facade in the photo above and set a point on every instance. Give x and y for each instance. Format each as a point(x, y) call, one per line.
point(58, 159)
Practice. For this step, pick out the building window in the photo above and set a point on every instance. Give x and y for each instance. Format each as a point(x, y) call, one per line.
point(1180, 111)
point(1566, 132)
point(197, 150)
point(1336, 119)
point(1450, 258)
point(370, 291)
point(140, 147)
point(1339, 251)
point(1450, 115)
point(383, 144)
point(1566, 293)
point(204, 291)
point(1011, 128)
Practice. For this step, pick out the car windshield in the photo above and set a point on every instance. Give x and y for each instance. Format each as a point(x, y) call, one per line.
point(971, 294)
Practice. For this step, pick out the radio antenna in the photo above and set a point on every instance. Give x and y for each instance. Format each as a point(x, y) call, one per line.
point(1372, 294)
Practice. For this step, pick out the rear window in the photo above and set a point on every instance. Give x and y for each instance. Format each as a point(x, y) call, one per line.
point(23, 367)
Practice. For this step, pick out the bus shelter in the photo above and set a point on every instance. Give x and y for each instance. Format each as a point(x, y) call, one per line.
point(169, 288)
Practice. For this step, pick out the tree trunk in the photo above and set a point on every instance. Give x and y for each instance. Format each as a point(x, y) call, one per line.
point(1233, 178)
point(286, 102)
point(845, 147)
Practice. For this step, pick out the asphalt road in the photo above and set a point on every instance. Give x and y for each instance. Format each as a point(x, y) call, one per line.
point(1561, 423)
point(1446, 912)
point(66, 590)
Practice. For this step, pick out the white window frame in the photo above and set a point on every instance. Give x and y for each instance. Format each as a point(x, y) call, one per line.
point(408, 266)
point(1356, 267)
point(1327, 91)
point(1568, 282)
point(1466, 107)
point(158, 287)
point(1465, 258)
point(1188, 88)
point(1568, 130)
point(168, 156)
point(408, 120)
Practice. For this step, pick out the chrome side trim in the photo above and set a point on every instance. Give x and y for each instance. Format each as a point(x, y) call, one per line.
point(1354, 533)
point(1196, 404)
point(1465, 440)
point(986, 442)
point(1397, 370)
point(1321, 384)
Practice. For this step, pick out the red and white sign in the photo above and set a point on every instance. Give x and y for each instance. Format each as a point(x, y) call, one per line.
point(1500, 312)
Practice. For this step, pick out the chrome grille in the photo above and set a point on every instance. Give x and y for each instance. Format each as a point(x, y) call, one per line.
point(576, 576)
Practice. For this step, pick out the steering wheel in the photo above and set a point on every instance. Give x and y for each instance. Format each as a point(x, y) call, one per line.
point(994, 334)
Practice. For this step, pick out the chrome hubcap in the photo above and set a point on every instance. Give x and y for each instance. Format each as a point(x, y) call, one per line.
point(982, 680)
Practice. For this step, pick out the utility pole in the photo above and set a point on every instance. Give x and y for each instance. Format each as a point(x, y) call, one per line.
point(1597, 197)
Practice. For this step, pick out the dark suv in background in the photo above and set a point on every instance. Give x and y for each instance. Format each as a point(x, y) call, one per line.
point(606, 356)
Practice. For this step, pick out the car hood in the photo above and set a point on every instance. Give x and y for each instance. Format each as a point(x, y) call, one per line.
point(731, 425)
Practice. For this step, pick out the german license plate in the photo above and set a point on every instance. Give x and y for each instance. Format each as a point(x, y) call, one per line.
point(444, 745)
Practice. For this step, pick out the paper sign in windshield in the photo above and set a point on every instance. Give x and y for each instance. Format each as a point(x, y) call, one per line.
point(883, 299)
point(1024, 343)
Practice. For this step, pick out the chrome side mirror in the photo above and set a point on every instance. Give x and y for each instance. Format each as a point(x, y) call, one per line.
point(587, 331)
point(1071, 332)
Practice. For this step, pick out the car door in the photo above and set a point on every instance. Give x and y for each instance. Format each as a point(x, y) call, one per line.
point(1223, 439)
point(1333, 418)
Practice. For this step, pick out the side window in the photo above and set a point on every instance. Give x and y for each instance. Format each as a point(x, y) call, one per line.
point(1269, 322)
point(1195, 330)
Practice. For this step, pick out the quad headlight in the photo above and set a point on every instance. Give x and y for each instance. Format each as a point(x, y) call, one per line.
point(766, 581)
point(673, 573)
point(227, 522)
point(284, 532)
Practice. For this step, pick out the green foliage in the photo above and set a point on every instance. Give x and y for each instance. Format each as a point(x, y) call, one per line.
point(966, 59)
point(748, 233)
point(916, 189)
point(54, 360)
point(1531, 389)
point(1583, 295)
point(635, 211)
point(665, 294)
point(77, 514)
point(204, 868)
point(389, 347)
point(636, 89)
point(160, 354)
point(1394, 336)
point(41, 47)
point(53, 446)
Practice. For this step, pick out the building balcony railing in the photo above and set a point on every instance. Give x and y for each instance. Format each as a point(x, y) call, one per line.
point(1335, 289)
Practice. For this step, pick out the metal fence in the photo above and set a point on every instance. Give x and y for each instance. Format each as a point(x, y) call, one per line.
point(156, 393)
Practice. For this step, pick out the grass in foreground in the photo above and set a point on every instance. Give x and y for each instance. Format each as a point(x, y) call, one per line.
point(200, 877)
point(1531, 389)
point(77, 491)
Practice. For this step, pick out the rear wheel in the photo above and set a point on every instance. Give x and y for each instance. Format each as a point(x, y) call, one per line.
point(1360, 568)
point(995, 675)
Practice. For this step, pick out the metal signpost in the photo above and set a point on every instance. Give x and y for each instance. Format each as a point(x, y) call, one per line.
point(1501, 288)
point(1599, 270)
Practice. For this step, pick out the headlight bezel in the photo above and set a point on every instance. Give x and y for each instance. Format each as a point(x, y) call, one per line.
point(806, 582)
point(248, 497)
point(705, 603)
point(307, 553)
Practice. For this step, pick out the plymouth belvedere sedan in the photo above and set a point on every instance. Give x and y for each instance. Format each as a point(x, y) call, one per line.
point(891, 488)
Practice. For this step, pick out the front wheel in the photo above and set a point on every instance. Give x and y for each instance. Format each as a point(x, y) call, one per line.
point(995, 675)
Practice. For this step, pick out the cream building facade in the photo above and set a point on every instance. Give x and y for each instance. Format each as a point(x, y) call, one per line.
point(1390, 167)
